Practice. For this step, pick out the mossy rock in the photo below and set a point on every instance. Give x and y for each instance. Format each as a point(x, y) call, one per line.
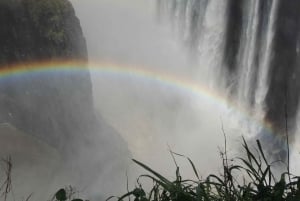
point(48, 17)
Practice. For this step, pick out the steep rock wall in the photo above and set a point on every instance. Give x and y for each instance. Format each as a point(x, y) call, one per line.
point(54, 107)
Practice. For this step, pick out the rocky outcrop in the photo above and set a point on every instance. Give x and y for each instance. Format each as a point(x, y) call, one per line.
point(39, 30)
point(51, 105)
point(55, 108)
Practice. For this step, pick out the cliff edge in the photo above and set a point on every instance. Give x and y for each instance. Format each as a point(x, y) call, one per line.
point(52, 106)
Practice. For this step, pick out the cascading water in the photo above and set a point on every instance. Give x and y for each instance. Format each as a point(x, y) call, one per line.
point(259, 56)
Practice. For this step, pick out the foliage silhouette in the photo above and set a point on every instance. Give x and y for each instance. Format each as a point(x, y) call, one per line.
point(258, 184)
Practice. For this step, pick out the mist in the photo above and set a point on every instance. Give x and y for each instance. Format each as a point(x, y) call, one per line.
point(159, 83)
point(163, 76)
point(153, 117)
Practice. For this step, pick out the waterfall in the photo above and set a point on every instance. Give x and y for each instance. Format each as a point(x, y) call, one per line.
point(251, 48)
point(262, 85)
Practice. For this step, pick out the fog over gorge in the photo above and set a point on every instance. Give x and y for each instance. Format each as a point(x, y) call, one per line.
point(151, 113)
point(88, 85)
point(180, 44)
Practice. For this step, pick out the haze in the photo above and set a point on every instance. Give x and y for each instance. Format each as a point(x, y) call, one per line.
point(152, 116)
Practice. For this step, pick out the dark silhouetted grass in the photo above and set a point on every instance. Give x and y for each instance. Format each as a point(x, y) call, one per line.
point(258, 183)
point(248, 178)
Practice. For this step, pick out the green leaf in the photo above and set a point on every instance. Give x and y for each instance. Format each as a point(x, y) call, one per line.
point(61, 195)
point(163, 179)
point(138, 192)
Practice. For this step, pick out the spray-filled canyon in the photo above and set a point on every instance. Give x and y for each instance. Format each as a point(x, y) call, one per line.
point(87, 85)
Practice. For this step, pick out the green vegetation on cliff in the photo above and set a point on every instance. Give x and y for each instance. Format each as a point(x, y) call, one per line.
point(48, 17)
point(39, 30)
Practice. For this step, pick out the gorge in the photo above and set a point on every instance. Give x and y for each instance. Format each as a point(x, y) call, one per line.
point(135, 78)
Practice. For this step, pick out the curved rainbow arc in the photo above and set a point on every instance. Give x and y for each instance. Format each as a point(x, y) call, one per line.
point(134, 72)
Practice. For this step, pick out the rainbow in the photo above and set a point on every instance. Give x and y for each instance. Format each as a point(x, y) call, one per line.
point(137, 73)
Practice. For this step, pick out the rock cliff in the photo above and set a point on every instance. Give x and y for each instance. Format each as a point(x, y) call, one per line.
point(53, 107)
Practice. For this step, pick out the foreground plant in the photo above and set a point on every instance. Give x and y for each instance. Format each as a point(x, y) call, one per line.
point(258, 183)
point(66, 194)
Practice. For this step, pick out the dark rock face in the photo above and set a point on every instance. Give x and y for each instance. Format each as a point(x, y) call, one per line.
point(57, 108)
point(284, 75)
point(37, 30)
point(233, 33)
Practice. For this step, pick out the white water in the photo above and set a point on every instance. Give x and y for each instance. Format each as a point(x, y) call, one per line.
point(262, 86)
